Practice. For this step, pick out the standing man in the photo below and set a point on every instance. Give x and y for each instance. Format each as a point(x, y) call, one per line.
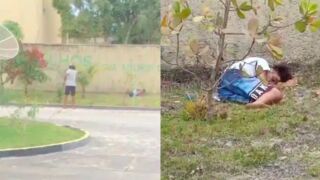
point(70, 82)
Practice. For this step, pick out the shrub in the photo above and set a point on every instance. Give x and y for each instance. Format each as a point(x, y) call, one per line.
point(195, 110)
point(27, 67)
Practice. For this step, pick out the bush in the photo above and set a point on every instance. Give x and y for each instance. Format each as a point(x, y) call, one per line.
point(195, 111)
point(59, 94)
point(28, 67)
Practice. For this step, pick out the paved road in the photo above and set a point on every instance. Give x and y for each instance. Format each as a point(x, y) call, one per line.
point(124, 145)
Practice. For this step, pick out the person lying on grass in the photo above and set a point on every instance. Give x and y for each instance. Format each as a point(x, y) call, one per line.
point(253, 82)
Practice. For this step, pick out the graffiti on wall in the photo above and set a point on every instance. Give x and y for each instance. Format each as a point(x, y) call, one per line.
point(58, 61)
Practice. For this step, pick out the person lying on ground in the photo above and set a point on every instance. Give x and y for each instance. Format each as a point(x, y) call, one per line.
point(253, 82)
point(137, 92)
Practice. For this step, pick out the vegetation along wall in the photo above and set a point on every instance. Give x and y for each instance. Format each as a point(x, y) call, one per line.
point(118, 67)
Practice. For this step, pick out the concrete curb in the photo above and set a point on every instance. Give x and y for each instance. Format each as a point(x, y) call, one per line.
point(46, 149)
point(89, 107)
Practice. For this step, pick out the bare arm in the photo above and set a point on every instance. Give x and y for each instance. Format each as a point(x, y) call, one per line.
point(263, 76)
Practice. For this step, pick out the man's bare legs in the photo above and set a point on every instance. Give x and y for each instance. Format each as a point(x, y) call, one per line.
point(273, 96)
point(65, 102)
point(73, 101)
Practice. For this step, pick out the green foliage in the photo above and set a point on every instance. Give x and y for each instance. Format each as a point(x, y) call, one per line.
point(273, 3)
point(308, 10)
point(30, 71)
point(85, 77)
point(245, 6)
point(28, 67)
point(33, 111)
point(126, 21)
point(227, 145)
point(174, 20)
point(33, 133)
point(15, 28)
point(314, 170)
point(59, 94)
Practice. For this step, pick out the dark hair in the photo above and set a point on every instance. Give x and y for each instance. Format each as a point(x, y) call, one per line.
point(72, 67)
point(283, 71)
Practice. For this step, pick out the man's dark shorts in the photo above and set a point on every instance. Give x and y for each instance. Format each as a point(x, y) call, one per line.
point(70, 90)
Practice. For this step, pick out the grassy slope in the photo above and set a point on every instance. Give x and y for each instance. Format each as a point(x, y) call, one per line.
point(20, 133)
point(242, 141)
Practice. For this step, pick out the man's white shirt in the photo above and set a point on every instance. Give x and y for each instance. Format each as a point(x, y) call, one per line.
point(71, 77)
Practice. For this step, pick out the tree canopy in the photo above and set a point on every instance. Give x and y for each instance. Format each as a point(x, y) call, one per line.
point(124, 21)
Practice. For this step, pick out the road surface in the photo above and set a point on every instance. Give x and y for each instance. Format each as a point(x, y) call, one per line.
point(124, 144)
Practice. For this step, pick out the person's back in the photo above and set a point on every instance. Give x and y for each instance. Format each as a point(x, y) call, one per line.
point(70, 84)
point(250, 65)
point(71, 77)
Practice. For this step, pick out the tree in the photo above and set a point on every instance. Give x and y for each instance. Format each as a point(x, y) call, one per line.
point(136, 21)
point(128, 21)
point(16, 30)
point(27, 67)
point(67, 20)
point(85, 77)
point(174, 21)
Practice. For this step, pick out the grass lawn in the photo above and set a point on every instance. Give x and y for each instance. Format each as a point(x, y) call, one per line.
point(17, 133)
point(242, 142)
point(107, 99)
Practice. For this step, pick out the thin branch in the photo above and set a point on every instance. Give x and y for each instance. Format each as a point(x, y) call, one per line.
point(276, 27)
point(178, 49)
point(282, 27)
point(168, 62)
point(250, 48)
point(234, 33)
point(181, 66)
point(230, 61)
point(224, 4)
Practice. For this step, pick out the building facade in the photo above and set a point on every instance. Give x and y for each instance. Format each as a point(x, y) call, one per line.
point(38, 19)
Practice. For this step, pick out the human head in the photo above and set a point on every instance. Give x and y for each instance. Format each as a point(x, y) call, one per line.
point(72, 67)
point(280, 73)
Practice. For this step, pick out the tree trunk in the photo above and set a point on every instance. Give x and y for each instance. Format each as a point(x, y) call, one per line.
point(26, 92)
point(217, 70)
point(129, 31)
point(209, 103)
point(83, 89)
point(222, 40)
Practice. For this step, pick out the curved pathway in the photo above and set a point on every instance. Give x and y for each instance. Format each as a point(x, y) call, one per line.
point(124, 144)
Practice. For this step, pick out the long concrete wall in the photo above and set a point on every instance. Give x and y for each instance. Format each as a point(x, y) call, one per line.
point(120, 67)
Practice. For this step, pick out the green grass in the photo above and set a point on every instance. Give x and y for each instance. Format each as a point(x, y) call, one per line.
point(314, 170)
point(107, 99)
point(17, 133)
point(252, 157)
point(198, 149)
